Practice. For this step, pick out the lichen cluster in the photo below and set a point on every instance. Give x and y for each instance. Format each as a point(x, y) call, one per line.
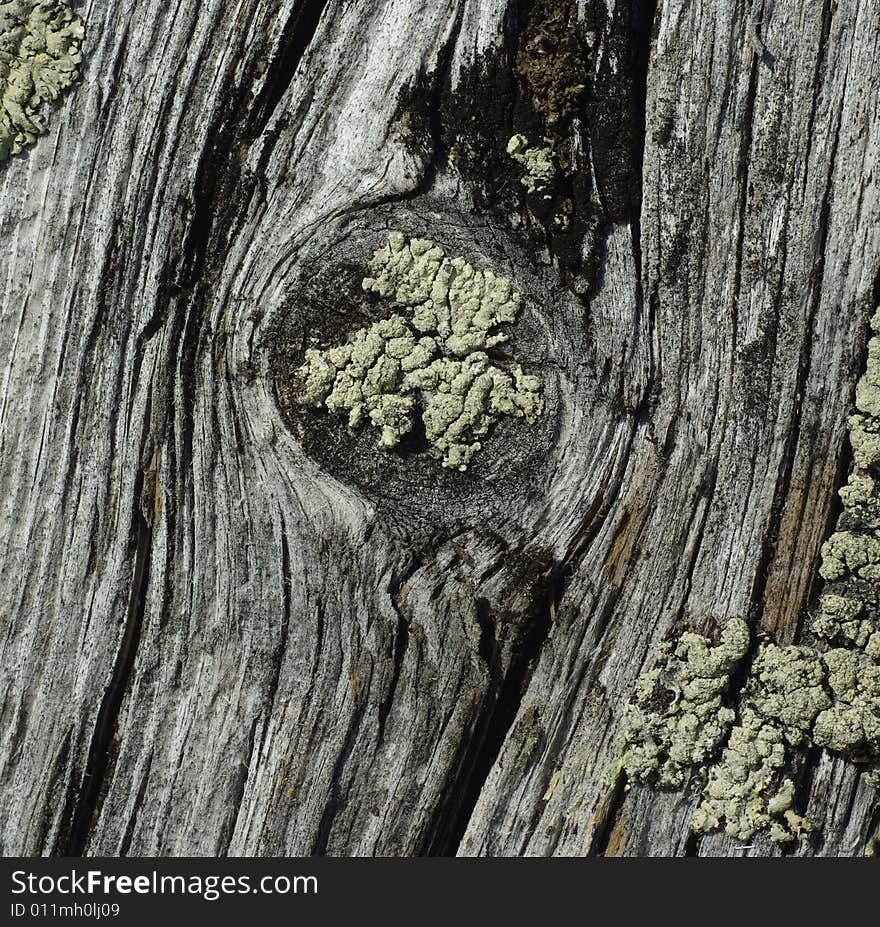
point(539, 168)
point(746, 791)
point(431, 356)
point(851, 723)
point(793, 695)
point(40, 55)
point(850, 608)
point(679, 715)
point(786, 687)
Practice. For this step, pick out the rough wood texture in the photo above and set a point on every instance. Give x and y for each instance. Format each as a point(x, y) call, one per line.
point(215, 638)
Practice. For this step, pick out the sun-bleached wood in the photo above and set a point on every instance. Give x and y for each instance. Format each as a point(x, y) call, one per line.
point(210, 642)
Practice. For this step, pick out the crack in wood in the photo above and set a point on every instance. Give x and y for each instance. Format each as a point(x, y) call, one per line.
point(502, 703)
point(283, 62)
point(87, 800)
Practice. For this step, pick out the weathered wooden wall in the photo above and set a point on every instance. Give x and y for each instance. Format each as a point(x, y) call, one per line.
point(217, 640)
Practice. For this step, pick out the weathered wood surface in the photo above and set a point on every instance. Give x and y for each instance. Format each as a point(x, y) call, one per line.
point(215, 641)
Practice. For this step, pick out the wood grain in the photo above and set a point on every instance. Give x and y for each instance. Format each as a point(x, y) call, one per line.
point(224, 633)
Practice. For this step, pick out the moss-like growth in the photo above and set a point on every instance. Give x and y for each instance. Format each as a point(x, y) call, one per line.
point(535, 85)
point(679, 716)
point(551, 63)
point(430, 357)
point(40, 54)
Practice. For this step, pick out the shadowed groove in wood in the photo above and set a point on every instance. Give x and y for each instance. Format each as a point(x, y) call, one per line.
point(101, 746)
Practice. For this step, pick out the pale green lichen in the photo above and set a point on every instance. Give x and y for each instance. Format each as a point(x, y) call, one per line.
point(864, 435)
point(678, 717)
point(850, 608)
point(40, 55)
point(679, 720)
point(859, 496)
point(852, 723)
point(868, 388)
point(746, 792)
point(786, 685)
point(795, 695)
point(842, 619)
point(850, 552)
point(538, 164)
point(430, 358)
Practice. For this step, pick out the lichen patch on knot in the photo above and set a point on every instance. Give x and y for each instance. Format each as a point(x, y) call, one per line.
point(40, 54)
point(431, 356)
